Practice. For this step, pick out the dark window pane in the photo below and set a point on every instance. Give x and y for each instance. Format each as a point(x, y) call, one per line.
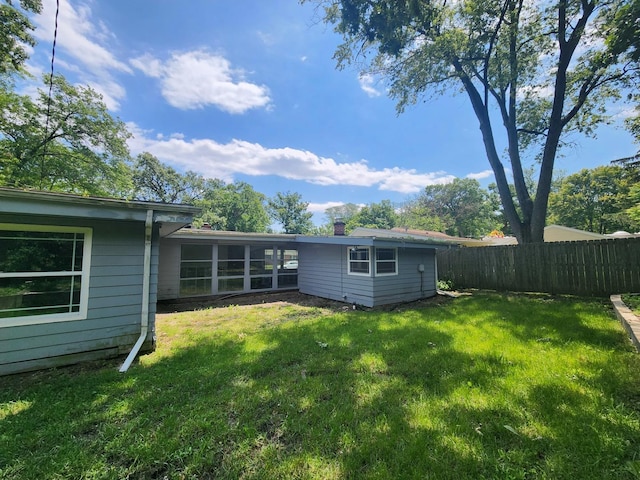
point(261, 253)
point(231, 285)
point(287, 281)
point(261, 267)
point(259, 283)
point(195, 269)
point(386, 254)
point(39, 251)
point(359, 254)
point(196, 252)
point(199, 286)
point(39, 295)
point(231, 252)
point(230, 268)
point(386, 267)
point(359, 267)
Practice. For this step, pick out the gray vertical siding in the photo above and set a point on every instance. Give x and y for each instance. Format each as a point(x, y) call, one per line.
point(112, 325)
point(323, 271)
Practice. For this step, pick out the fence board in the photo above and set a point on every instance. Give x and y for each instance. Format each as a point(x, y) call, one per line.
point(595, 267)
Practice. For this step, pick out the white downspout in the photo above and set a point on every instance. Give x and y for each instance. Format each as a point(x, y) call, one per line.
point(146, 280)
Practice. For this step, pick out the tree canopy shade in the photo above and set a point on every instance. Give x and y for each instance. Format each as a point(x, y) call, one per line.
point(537, 69)
point(375, 215)
point(155, 181)
point(234, 207)
point(460, 208)
point(80, 149)
point(15, 33)
point(289, 210)
point(600, 200)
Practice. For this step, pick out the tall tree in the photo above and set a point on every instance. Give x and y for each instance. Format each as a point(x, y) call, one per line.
point(463, 207)
point(234, 207)
point(289, 210)
point(504, 55)
point(70, 144)
point(595, 200)
point(375, 215)
point(343, 212)
point(154, 181)
point(15, 34)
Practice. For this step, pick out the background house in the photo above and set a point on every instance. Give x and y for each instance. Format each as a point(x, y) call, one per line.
point(78, 276)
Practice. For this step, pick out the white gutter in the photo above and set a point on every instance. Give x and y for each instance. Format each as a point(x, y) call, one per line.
point(146, 280)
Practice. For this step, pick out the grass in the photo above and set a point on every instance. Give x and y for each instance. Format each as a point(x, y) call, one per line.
point(480, 387)
point(633, 302)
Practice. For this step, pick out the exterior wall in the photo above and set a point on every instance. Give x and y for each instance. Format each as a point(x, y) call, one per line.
point(112, 325)
point(169, 268)
point(410, 284)
point(323, 271)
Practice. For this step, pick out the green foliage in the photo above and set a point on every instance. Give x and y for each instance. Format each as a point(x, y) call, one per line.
point(289, 210)
point(445, 285)
point(599, 200)
point(461, 208)
point(233, 207)
point(374, 215)
point(478, 387)
point(343, 212)
point(154, 181)
point(502, 55)
point(15, 34)
point(82, 149)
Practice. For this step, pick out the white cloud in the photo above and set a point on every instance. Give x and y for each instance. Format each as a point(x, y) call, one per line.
point(217, 160)
point(321, 207)
point(197, 79)
point(481, 175)
point(367, 84)
point(82, 42)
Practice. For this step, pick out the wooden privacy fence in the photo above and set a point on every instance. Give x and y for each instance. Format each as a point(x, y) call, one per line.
point(597, 267)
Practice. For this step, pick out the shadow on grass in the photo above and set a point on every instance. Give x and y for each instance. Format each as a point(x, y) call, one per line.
point(352, 396)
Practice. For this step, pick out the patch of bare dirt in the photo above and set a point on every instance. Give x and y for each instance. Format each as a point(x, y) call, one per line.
point(289, 297)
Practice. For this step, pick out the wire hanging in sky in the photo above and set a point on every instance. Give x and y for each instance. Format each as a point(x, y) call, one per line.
point(53, 56)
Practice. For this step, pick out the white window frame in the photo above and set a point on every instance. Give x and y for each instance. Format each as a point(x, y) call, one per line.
point(84, 275)
point(349, 261)
point(395, 261)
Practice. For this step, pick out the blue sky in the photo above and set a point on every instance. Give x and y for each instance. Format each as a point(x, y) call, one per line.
point(248, 90)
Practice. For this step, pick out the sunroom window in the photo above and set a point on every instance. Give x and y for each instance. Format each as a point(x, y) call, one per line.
point(44, 273)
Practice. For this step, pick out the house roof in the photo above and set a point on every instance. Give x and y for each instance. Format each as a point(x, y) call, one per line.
point(560, 233)
point(371, 241)
point(34, 202)
point(407, 233)
point(226, 236)
point(223, 235)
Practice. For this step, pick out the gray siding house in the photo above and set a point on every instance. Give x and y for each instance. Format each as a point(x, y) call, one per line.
point(78, 277)
point(365, 271)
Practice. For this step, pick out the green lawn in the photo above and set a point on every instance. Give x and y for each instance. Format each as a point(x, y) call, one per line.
point(486, 386)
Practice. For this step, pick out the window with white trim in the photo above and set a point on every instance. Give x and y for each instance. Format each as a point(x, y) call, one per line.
point(44, 273)
point(386, 261)
point(359, 261)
